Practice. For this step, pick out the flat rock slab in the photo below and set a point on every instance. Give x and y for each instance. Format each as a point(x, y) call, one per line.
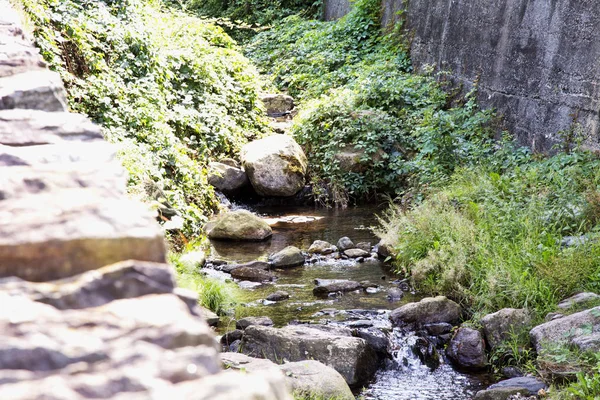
point(430, 310)
point(98, 153)
point(38, 89)
point(252, 274)
point(352, 357)
point(566, 329)
point(356, 253)
point(326, 286)
point(55, 235)
point(34, 127)
point(530, 384)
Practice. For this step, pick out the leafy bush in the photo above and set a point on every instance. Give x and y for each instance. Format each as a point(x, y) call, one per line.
point(491, 238)
point(170, 89)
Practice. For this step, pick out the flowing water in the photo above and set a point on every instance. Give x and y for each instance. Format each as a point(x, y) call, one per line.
point(403, 377)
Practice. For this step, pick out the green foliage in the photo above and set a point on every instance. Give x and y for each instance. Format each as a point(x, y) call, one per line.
point(490, 237)
point(358, 96)
point(170, 89)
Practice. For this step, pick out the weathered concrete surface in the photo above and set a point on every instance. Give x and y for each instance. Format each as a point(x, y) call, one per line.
point(535, 60)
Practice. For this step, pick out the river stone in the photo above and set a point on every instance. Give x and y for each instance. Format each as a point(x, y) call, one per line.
point(350, 356)
point(438, 329)
point(531, 384)
point(252, 264)
point(320, 247)
point(427, 311)
point(87, 230)
point(375, 338)
point(252, 274)
point(246, 322)
point(467, 349)
point(313, 378)
point(500, 393)
point(578, 299)
point(240, 225)
point(365, 246)
point(287, 258)
point(226, 178)
point(276, 165)
point(356, 253)
point(345, 244)
point(278, 296)
point(566, 329)
point(231, 336)
point(395, 294)
point(384, 249)
point(499, 326)
point(326, 286)
point(277, 103)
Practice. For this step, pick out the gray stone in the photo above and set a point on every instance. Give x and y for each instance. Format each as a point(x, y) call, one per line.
point(345, 244)
point(278, 296)
point(529, 383)
point(230, 161)
point(228, 179)
point(313, 378)
point(326, 286)
point(350, 356)
point(395, 294)
point(252, 264)
point(501, 325)
point(240, 225)
point(287, 258)
point(320, 247)
point(248, 321)
point(467, 349)
point(500, 393)
point(384, 249)
point(231, 336)
point(356, 253)
point(211, 318)
point(376, 339)
point(566, 329)
point(276, 165)
point(366, 246)
point(589, 343)
point(438, 329)
point(277, 103)
point(252, 274)
point(84, 231)
point(578, 300)
point(38, 89)
point(427, 311)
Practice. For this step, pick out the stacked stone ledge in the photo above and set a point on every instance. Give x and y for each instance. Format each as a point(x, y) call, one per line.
point(71, 325)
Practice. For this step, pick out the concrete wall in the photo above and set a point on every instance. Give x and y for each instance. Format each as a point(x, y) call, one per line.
point(537, 61)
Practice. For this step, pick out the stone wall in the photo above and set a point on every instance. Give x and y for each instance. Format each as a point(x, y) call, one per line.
point(536, 60)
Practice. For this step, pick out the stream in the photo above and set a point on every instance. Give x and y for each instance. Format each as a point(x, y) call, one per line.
point(402, 377)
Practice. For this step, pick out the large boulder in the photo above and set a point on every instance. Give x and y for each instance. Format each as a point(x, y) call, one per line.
point(499, 326)
point(567, 329)
point(427, 311)
point(304, 378)
point(240, 225)
point(287, 258)
point(276, 165)
point(352, 357)
point(277, 104)
point(467, 349)
point(227, 179)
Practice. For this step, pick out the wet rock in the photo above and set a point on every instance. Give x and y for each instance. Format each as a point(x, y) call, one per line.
point(355, 253)
point(231, 336)
point(278, 296)
point(426, 352)
point(321, 247)
point(277, 104)
point(467, 349)
point(427, 311)
point(248, 321)
point(376, 339)
point(578, 300)
point(365, 246)
point(566, 329)
point(350, 356)
point(252, 274)
point(265, 266)
point(193, 261)
point(361, 323)
point(326, 286)
point(372, 290)
point(530, 384)
point(287, 258)
point(438, 329)
point(395, 294)
point(240, 225)
point(500, 325)
point(276, 165)
point(227, 179)
point(345, 244)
